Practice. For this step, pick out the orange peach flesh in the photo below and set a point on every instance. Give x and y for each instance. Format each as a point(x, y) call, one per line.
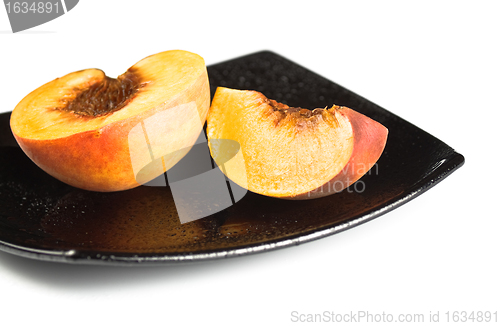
point(94, 152)
point(291, 153)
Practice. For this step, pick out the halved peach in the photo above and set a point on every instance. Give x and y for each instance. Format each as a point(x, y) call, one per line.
point(99, 133)
point(289, 152)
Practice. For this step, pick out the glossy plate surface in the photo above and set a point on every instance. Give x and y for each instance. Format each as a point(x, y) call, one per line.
point(45, 219)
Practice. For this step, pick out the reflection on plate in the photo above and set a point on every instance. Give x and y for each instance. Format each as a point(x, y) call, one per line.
point(45, 219)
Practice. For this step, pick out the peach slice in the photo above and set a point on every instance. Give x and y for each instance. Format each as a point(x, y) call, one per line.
point(291, 153)
point(99, 133)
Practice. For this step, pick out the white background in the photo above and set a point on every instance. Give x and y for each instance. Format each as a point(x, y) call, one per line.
point(436, 64)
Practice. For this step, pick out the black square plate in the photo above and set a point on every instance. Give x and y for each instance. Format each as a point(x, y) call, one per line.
point(45, 219)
